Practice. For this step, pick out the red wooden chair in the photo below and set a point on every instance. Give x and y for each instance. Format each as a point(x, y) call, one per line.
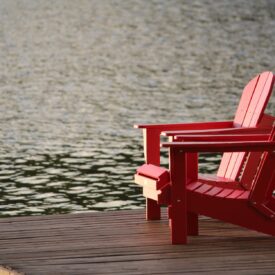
point(249, 119)
point(252, 207)
point(188, 195)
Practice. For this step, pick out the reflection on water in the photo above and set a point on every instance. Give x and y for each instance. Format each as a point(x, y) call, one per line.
point(76, 75)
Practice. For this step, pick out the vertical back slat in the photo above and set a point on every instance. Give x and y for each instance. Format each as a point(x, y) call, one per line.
point(231, 165)
point(245, 101)
point(261, 94)
point(224, 164)
point(234, 173)
point(263, 100)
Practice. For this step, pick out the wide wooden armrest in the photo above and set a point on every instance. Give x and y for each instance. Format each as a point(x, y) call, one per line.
point(246, 137)
point(236, 146)
point(186, 126)
point(223, 131)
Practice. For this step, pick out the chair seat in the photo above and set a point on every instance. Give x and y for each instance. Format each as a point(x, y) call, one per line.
point(222, 191)
point(219, 181)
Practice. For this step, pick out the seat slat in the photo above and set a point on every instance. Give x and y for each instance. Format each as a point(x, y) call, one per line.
point(214, 191)
point(225, 193)
point(194, 185)
point(235, 194)
point(204, 188)
point(244, 195)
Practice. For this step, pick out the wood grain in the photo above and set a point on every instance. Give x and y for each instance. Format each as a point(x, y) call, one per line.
point(122, 242)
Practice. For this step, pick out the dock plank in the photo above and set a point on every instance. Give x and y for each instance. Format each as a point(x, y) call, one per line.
point(122, 242)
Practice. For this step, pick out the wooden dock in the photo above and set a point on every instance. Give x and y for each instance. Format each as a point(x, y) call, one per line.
point(122, 242)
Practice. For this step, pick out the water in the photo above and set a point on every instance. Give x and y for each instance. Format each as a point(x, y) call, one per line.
point(76, 75)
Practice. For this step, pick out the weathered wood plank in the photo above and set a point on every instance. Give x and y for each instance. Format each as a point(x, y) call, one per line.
point(122, 242)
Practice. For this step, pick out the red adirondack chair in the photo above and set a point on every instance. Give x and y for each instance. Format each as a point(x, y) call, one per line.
point(188, 195)
point(252, 207)
point(249, 119)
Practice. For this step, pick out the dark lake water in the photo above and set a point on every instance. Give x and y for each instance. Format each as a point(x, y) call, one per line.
point(76, 75)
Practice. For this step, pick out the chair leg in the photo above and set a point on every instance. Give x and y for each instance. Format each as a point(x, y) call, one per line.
point(152, 210)
point(179, 224)
point(152, 156)
point(192, 224)
point(178, 209)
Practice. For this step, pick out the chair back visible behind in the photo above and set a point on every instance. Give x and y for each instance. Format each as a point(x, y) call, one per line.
point(249, 114)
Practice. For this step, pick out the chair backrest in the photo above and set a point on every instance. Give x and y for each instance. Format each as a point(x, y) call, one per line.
point(249, 114)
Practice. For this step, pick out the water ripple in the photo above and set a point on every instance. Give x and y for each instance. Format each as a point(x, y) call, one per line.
point(75, 76)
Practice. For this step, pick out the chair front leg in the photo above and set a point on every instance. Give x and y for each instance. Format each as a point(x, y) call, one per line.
point(178, 207)
point(151, 139)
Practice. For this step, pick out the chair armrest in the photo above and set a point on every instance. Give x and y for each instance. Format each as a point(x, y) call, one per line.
point(186, 126)
point(236, 146)
point(152, 133)
point(246, 137)
point(223, 131)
